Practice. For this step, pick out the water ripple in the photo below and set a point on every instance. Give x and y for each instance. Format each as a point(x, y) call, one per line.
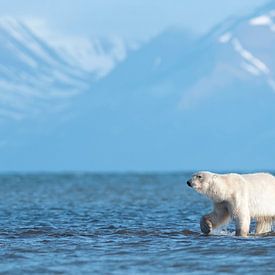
point(117, 224)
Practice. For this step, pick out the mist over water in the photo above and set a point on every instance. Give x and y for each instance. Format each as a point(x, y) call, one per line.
point(123, 223)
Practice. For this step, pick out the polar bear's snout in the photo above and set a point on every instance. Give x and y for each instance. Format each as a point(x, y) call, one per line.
point(195, 181)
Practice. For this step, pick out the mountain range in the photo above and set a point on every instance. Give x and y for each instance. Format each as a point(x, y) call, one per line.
point(175, 102)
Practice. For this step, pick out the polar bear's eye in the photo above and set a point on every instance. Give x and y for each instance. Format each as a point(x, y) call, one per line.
point(199, 176)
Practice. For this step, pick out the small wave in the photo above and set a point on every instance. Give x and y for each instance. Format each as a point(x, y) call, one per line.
point(112, 230)
point(268, 234)
point(187, 232)
point(156, 233)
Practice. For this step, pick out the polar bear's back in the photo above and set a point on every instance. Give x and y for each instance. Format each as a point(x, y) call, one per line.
point(261, 188)
point(260, 180)
point(259, 177)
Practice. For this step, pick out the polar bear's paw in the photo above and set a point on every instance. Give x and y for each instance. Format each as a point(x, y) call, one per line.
point(206, 225)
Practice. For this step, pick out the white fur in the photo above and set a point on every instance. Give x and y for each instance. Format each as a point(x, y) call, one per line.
point(237, 196)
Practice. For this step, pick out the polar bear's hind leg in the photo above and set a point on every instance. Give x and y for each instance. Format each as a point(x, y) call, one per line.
point(264, 225)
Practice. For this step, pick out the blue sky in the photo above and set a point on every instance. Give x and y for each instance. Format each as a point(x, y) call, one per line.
point(133, 20)
point(116, 107)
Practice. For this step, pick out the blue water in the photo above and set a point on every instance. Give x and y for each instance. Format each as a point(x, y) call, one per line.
point(117, 224)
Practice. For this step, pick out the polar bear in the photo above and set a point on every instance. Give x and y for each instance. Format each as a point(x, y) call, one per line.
point(240, 197)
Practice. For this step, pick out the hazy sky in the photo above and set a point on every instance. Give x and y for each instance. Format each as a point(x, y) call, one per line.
point(134, 124)
point(135, 19)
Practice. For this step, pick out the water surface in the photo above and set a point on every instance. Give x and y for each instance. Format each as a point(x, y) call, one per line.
point(117, 224)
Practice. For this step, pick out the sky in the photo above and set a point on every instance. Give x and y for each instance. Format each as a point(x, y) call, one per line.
point(94, 38)
point(132, 20)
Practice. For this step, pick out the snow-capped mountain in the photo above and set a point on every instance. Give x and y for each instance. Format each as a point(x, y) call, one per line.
point(176, 102)
point(40, 70)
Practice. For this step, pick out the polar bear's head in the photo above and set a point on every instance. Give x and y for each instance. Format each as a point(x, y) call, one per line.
point(209, 184)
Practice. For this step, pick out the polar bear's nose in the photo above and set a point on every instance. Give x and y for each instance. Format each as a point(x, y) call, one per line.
point(189, 183)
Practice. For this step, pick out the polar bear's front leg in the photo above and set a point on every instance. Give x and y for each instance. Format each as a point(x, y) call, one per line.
point(206, 224)
point(218, 217)
point(242, 224)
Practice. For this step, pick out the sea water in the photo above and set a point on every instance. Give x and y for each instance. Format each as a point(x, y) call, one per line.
point(117, 224)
